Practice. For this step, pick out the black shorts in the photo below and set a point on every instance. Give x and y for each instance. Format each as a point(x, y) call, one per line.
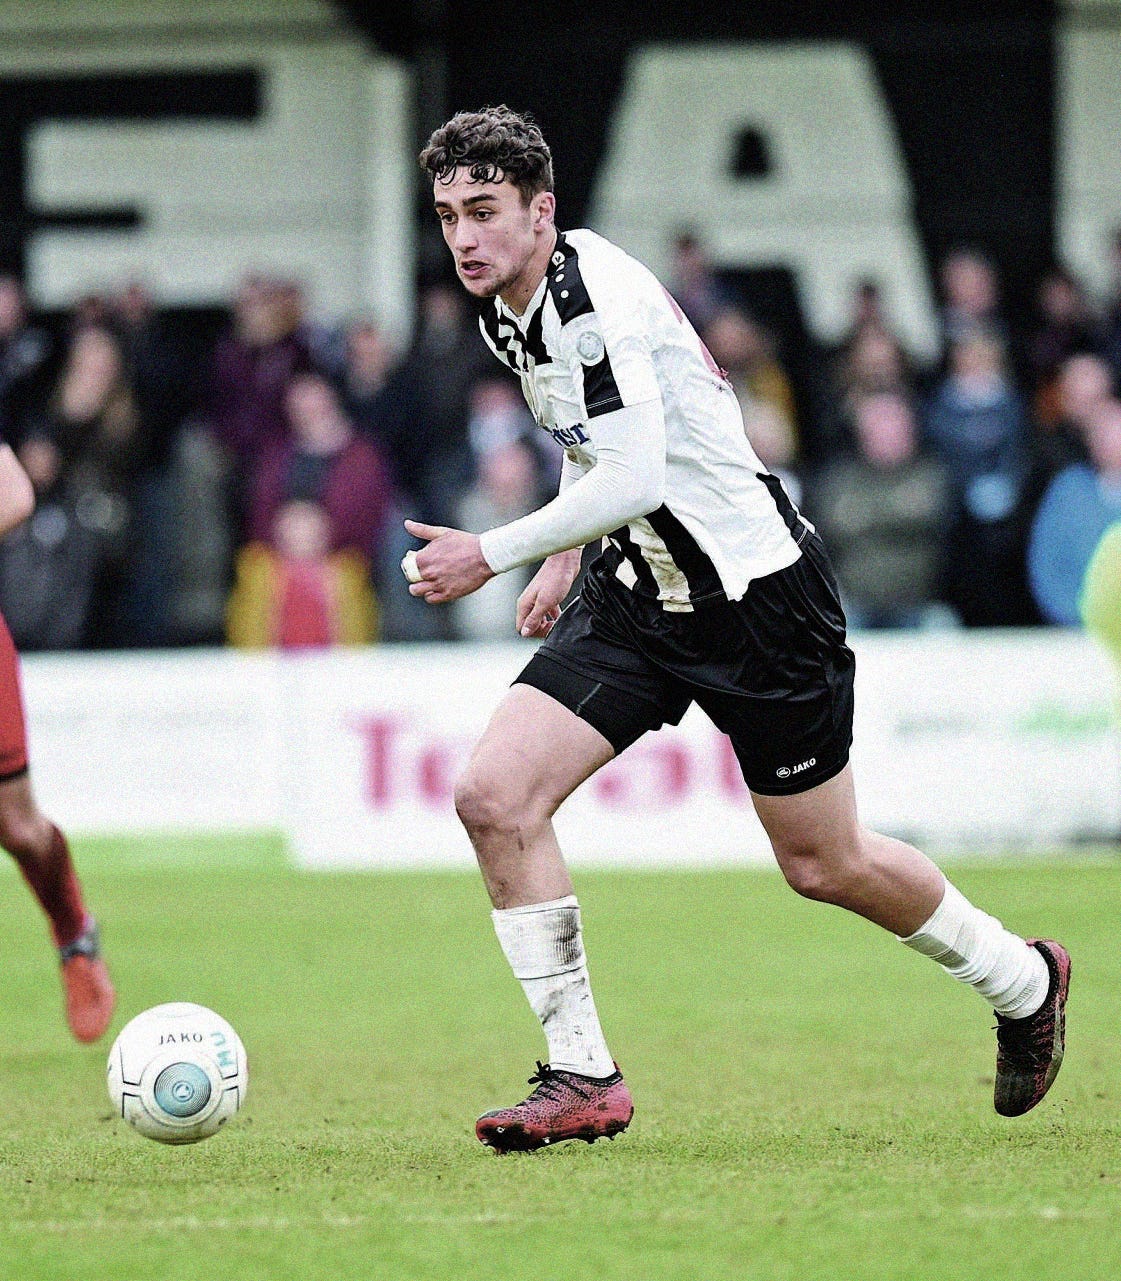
point(772, 671)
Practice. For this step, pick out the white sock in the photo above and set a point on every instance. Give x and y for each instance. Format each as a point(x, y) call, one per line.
point(545, 948)
point(976, 949)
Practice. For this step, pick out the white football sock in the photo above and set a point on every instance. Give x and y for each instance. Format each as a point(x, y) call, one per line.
point(976, 949)
point(545, 948)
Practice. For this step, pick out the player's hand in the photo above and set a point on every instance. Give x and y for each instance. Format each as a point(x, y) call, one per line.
point(539, 605)
point(450, 566)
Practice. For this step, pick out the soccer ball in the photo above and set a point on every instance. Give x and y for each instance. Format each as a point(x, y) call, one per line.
point(177, 1072)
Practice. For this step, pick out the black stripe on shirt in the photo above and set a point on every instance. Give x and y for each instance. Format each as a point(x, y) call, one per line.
point(508, 339)
point(704, 581)
point(533, 339)
point(566, 284)
point(623, 548)
point(601, 391)
point(571, 299)
point(786, 508)
point(488, 322)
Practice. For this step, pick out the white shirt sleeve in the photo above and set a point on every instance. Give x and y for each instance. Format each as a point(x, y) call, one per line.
point(627, 481)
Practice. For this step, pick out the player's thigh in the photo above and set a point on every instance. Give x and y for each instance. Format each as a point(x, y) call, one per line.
point(585, 696)
point(592, 665)
point(533, 753)
point(819, 824)
point(13, 732)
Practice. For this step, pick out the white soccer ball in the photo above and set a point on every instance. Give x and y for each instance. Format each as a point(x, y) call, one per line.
point(177, 1072)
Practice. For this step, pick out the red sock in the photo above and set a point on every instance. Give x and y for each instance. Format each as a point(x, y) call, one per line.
point(55, 884)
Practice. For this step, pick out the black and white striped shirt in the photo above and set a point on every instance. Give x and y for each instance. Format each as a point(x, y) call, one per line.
point(601, 334)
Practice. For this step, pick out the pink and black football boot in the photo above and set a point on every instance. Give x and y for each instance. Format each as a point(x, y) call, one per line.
point(1029, 1052)
point(565, 1105)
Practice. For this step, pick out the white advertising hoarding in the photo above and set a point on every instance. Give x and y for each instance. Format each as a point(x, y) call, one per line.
point(969, 741)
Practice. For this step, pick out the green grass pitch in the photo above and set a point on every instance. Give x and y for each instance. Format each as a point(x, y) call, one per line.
point(813, 1100)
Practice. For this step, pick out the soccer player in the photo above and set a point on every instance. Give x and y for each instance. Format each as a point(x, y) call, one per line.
point(711, 587)
point(37, 845)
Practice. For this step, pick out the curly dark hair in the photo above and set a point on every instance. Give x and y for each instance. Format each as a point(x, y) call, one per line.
point(494, 144)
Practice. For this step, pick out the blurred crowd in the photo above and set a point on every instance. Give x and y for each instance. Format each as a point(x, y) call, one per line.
point(246, 482)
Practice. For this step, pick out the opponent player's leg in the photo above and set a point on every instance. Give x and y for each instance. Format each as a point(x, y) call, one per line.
point(41, 852)
point(534, 753)
point(827, 854)
point(43, 856)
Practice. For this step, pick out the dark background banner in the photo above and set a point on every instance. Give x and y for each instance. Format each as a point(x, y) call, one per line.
point(971, 93)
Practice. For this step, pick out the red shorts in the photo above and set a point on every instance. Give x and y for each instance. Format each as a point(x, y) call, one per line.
point(13, 731)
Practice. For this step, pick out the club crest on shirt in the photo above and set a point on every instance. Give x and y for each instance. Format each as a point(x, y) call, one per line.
point(589, 347)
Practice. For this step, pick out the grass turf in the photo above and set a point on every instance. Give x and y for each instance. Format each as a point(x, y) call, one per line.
point(813, 1100)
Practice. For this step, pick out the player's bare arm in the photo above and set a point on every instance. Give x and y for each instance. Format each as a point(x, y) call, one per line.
point(17, 497)
point(539, 605)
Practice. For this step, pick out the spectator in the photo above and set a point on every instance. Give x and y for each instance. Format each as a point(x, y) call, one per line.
point(364, 378)
point(978, 426)
point(875, 362)
point(1085, 382)
point(866, 309)
point(430, 455)
point(744, 348)
point(694, 283)
point(294, 592)
point(323, 461)
point(49, 565)
point(90, 310)
point(252, 366)
point(882, 509)
point(872, 362)
point(1078, 506)
point(516, 465)
point(156, 365)
point(94, 419)
point(427, 445)
point(25, 364)
point(970, 298)
point(1064, 326)
point(868, 318)
point(1082, 384)
point(317, 339)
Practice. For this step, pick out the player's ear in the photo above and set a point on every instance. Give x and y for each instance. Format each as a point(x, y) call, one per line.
point(544, 206)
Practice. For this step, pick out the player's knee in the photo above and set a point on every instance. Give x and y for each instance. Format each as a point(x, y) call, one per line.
point(487, 804)
point(815, 877)
point(21, 835)
point(807, 878)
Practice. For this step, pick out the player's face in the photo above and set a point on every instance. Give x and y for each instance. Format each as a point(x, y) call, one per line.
point(493, 235)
